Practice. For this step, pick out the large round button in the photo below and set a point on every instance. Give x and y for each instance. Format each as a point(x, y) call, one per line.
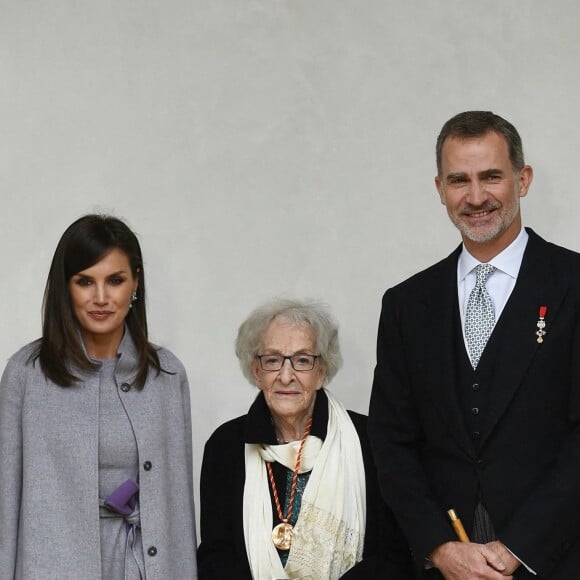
point(147, 465)
point(125, 387)
point(476, 434)
point(152, 551)
point(475, 386)
point(475, 411)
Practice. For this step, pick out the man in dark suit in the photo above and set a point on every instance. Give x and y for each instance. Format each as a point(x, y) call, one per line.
point(476, 396)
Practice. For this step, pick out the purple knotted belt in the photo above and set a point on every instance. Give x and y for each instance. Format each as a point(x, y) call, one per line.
point(123, 502)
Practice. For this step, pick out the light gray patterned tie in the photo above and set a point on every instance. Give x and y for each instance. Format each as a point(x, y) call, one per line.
point(479, 315)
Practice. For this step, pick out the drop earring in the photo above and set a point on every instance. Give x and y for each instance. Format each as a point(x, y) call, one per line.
point(133, 299)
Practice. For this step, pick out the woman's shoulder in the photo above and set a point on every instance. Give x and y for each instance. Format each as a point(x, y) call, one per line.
point(232, 430)
point(359, 421)
point(27, 350)
point(227, 439)
point(26, 355)
point(168, 360)
point(357, 418)
point(23, 361)
point(360, 424)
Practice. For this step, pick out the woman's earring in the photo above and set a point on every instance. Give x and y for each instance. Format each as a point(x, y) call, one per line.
point(133, 299)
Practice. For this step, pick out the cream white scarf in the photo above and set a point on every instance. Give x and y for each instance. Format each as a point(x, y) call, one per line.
point(328, 538)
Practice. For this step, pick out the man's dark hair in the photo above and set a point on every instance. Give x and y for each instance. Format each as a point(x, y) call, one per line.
point(477, 124)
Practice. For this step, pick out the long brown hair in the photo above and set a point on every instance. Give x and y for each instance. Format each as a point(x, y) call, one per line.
point(83, 244)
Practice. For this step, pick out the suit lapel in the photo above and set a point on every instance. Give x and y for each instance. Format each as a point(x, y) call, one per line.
point(440, 300)
point(515, 331)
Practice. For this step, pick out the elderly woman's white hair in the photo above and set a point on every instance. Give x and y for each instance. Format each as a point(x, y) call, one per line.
point(301, 312)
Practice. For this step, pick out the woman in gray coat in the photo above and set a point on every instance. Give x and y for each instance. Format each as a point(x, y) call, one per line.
point(95, 428)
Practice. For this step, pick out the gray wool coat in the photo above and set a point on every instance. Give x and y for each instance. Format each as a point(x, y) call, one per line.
point(49, 511)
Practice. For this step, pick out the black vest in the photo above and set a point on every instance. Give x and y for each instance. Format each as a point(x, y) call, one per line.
point(474, 385)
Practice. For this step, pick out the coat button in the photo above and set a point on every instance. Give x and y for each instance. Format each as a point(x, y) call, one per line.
point(125, 387)
point(475, 411)
point(476, 434)
point(147, 465)
point(152, 551)
point(475, 386)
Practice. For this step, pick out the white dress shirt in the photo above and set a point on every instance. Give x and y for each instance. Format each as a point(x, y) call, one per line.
point(501, 282)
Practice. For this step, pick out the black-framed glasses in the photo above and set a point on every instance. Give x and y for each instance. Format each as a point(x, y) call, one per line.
point(299, 362)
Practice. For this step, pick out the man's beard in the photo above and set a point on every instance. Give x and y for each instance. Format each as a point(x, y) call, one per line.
point(499, 221)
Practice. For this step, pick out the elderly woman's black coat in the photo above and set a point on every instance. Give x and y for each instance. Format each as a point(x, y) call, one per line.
point(222, 553)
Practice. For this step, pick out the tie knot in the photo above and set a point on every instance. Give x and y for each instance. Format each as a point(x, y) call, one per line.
point(482, 273)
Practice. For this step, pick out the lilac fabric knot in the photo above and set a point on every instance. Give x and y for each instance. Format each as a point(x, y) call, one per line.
point(124, 502)
point(124, 498)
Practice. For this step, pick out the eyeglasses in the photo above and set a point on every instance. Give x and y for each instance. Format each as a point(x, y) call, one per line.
point(299, 362)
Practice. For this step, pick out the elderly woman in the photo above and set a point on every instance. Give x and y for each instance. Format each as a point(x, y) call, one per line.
point(95, 429)
point(289, 490)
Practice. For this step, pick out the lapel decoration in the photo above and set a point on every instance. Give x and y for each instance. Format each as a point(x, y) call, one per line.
point(541, 324)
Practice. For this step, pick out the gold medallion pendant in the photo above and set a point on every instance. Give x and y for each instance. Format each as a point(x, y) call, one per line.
point(282, 533)
point(282, 536)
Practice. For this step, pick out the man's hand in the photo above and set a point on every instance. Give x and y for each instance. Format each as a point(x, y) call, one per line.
point(510, 562)
point(469, 561)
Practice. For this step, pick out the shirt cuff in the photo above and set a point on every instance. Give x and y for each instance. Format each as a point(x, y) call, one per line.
point(521, 562)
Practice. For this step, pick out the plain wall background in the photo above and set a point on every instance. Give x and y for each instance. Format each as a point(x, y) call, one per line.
point(266, 147)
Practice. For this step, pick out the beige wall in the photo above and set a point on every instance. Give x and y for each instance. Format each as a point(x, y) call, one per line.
point(266, 147)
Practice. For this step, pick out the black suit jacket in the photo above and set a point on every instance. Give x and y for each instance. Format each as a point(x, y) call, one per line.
point(526, 463)
point(222, 552)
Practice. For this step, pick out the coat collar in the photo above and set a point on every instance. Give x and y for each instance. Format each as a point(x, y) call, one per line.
point(127, 357)
point(536, 286)
point(440, 311)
